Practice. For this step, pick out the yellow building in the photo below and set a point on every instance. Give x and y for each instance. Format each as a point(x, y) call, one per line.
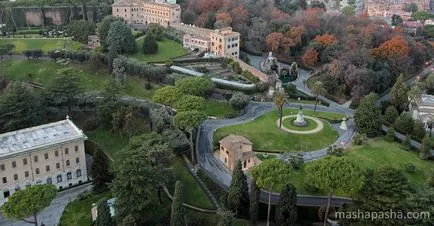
point(52, 153)
point(221, 42)
point(146, 12)
point(234, 148)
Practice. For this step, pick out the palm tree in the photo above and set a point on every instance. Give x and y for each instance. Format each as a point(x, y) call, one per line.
point(279, 101)
point(415, 91)
point(317, 89)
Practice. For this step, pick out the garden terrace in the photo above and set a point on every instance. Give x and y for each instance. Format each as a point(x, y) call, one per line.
point(167, 49)
point(44, 44)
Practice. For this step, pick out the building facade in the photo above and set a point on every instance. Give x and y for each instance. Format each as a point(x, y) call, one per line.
point(387, 8)
point(221, 42)
point(146, 12)
point(423, 109)
point(234, 148)
point(47, 154)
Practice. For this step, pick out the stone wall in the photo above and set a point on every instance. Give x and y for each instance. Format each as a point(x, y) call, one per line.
point(54, 15)
point(257, 73)
point(192, 30)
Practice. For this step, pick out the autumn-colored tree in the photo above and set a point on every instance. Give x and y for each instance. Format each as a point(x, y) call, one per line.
point(209, 5)
point(279, 15)
point(397, 46)
point(223, 18)
point(296, 33)
point(310, 57)
point(273, 41)
point(240, 15)
point(326, 39)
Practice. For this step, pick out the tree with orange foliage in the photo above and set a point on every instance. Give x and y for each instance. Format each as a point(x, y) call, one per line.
point(295, 33)
point(326, 39)
point(224, 17)
point(273, 41)
point(397, 46)
point(310, 57)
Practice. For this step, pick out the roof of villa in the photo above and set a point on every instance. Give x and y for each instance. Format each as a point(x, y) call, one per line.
point(426, 100)
point(39, 137)
point(232, 139)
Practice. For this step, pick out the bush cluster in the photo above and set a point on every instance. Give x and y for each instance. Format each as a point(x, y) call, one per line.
point(80, 56)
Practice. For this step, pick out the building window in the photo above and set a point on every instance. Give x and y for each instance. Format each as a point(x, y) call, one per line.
point(244, 164)
point(2, 167)
point(78, 173)
point(66, 151)
point(57, 165)
point(5, 180)
point(35, 158)
point(59, 178)
point(14, 164)
point(248, 161)
point(15, 176)
point(47, 168)
point(69, 176)
point(37, 170)
point(17, 188)
point(26, 173)
point(229, 46)
point(56, 153)
point(226, 160)
point(67, 162)
point(125, 10)
point(46, 155)
point(49, 180)
point(24, 161)
point(6, 194)
point(77, 160)
point(227, 152)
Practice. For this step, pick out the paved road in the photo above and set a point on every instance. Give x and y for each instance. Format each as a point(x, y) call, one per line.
point(51, 215)
point(219, 173)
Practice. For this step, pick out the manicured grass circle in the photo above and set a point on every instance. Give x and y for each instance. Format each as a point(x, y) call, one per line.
point(289, 123)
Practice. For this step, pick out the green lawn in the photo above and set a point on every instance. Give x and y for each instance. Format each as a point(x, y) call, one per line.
point(109, 142)
point(218, 109)
point(44, 72)
point(289, 123)
point(375, 154)
point(45, 44)
point(167, 49)
point(266, 136)
point(78, 211)
point(193, 193)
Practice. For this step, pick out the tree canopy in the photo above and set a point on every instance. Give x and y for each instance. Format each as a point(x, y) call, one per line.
point(29, 202)
point(150, 45)
point(155, 30)
point(103, 29)
point(196, 86)
point(120, 38)
point(367, 116)
point(80, 30)
point(168, 95)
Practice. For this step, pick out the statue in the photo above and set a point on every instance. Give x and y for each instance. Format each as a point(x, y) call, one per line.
point(299, 121)
point(343, 124)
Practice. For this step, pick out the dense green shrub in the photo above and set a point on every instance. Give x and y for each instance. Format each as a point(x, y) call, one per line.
point(239, 101)
point(150, 45)
point(196, 86)
point(410, 167)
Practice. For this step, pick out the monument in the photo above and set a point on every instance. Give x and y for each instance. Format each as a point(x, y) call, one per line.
point(343, 124)
point(299, 121)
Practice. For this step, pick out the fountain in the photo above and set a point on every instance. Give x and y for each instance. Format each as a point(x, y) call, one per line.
point(299, 121)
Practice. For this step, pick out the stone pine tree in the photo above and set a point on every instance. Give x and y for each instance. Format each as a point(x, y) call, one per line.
point(64, 90)
point(280, 100)
point(286, 209)
point(425, 148)
point(237, 197)
point(99, 171)
point(150, 45)
point(367, 116)
point(104, 217)
point(333, 174)
point(255, 193)
point(29, 202)
point(177, 217)
point(268, 174)
point(189, 121)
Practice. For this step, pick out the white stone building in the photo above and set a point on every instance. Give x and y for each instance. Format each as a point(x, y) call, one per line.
point(52, 153)
point(423, 109)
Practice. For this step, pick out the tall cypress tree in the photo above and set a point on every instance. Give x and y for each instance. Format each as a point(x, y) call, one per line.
point(177, 218)
point(237, 198)
point(99, 171)
point(254, 201)
point(425, 148)
point(104, 218)
point(286, 209)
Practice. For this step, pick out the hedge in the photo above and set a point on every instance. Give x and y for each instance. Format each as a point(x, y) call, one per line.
point(215, 189)
point(303, 97)
point(198, 60)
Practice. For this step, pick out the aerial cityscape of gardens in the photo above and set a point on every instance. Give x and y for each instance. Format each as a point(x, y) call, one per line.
point(203, 112)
